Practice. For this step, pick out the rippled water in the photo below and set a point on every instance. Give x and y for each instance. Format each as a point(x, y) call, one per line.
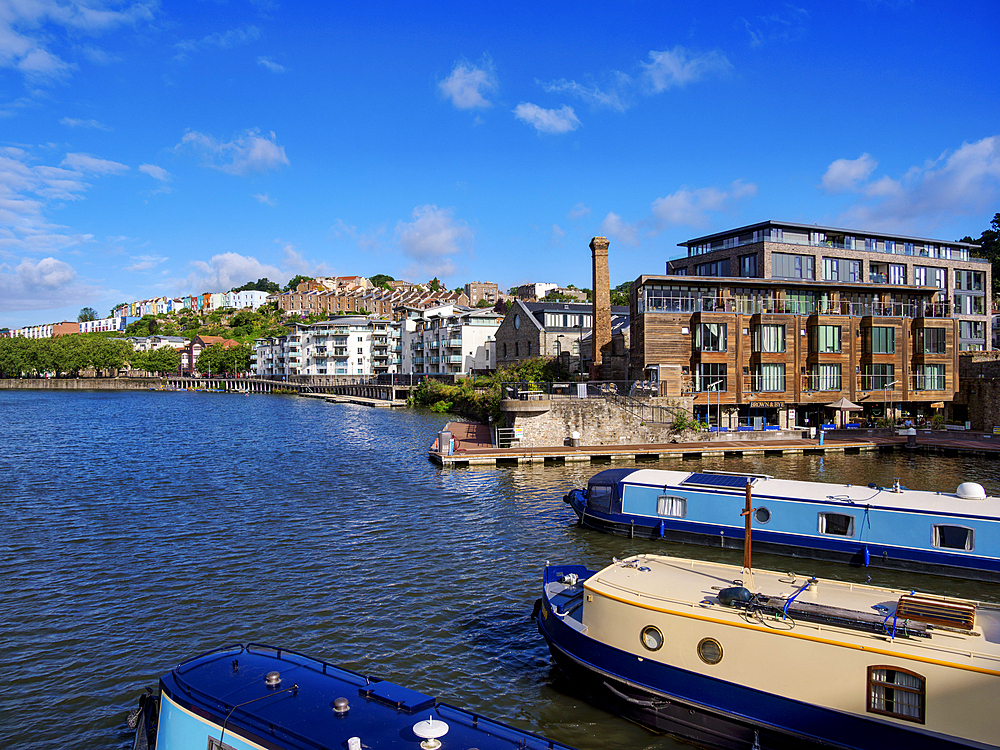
point(138, 529)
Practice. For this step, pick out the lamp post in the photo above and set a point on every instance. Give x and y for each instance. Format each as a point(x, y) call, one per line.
point(579, 345)
point(885, 392)
point(715, 387)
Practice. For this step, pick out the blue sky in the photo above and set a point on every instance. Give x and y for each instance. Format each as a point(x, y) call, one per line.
point(154, 149)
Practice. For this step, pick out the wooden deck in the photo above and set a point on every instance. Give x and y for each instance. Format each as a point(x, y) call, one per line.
point(473, 447)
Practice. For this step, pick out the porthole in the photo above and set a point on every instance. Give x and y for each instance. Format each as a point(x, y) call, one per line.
point(710, 650)
point(763, 515)
point(651, 637)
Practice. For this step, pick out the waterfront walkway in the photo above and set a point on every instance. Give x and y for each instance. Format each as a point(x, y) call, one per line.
point(473, 447)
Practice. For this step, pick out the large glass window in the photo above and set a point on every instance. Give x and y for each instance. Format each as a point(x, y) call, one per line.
point(826, 339)
point(930, 378)
point(934, 340)
point(711, 376)
point(711, 337)
point(880, 340)
point(896, 692)
point(826, 378)
point(716, 268)
point(789, 266)
point(841, 269)
point(748, 265)
point(769, 378)
point(879, 377)
point(769, 338)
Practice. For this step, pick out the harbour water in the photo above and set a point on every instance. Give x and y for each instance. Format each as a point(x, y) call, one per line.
point(138, 529)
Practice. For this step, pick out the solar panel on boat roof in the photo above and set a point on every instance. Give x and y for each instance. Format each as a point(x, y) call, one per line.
point(717, 480)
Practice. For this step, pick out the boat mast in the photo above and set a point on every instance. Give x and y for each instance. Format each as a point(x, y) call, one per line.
point(746, 533)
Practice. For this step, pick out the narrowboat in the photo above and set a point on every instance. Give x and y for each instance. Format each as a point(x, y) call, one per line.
point(255, 696)
point(955, 534)
point(726, 657)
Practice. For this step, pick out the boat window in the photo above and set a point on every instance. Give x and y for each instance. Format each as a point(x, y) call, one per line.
point(953, 537)
point(896, 692)
point(651, 637)
point(837, 524)
point(763, 515)
point(599, 497)
point(214, 744)
point(710, 651)
point(671, 506)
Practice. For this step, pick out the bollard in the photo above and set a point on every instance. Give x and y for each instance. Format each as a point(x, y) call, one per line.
point(821, 431)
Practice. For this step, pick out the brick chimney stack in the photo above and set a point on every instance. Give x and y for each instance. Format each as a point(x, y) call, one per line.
point(601, 336)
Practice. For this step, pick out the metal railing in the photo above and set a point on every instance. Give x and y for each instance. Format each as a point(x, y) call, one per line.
point(690, 305)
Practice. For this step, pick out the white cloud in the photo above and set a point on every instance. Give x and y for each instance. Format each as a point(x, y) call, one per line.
point(678, 67)
point(219, 40)
point(296, 263)
point(692, 207)
point(144, 263)
point(563, 120)
point(74, 123)
point(157, 173)
point(27, 188)
point(93, 165)
point(40, 285)
point(433, 240)
point(783, 25)
point(246, 153)
point(264, 198)
point(227, 270)
point(615, 227)
point(556, 235)
point(965, 181)
point(843, 175)
point(468, 84)
point(614, 97)
point(578, 212)
point(267, 62)
point(29, 27)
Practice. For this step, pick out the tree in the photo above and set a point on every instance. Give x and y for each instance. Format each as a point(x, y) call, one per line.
point(434, 284)
point(294, 282)
point(619, 295)
point(219, 358)
point(87, 314)
point(381, 280)
point(484, 303)
point(163, 360)
point(260, 285)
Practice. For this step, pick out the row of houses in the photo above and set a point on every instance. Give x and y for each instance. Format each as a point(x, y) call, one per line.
point(199, 302)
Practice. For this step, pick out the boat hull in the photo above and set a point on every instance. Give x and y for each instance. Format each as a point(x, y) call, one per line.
point(731, 537)
point(708, 711)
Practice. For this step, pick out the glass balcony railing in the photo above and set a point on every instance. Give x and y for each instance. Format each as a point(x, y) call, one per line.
point(690, 305)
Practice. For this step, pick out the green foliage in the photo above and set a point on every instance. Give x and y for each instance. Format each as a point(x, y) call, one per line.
point(147, 325)
point(937, 422)
point(295, 281)
point(484, 303)
point(219, 359)
point(441, 407)
point(989, 241)
point(619, 295)
point(684, 421)
point(435, 284)
point(381, 280)
point(557, 297)
point(260, 285)
point(87, 314)
point(63, 355)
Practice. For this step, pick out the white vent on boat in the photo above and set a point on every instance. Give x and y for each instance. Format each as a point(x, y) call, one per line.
point(971, 491)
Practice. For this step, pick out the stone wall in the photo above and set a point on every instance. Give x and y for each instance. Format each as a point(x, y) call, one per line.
point(982, 397)
point(82, 384)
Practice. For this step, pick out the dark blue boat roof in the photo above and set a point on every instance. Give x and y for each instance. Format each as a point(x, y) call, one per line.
point(611, 476)
point(229, 685)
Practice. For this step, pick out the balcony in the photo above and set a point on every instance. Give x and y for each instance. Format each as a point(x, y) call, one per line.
point(453, 342)
point(756, 306)
point(453, 359)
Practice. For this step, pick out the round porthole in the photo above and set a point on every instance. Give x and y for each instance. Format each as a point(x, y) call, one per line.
point(710, 650)
point(651, 637)
point(763, 515)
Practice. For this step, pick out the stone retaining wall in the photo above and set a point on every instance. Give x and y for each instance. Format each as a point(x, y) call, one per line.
point(81, 384)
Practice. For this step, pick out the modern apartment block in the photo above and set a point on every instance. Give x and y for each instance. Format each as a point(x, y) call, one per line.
point(349, 345)
point(769, 324)
point(477, 291)
point(449, 339)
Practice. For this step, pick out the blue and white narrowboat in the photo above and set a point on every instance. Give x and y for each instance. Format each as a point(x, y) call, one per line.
point(253, 697)
point(956, 534)
point(728, 658)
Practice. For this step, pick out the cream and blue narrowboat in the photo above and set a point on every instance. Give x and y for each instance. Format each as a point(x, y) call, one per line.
point(253, 697)
point(956, 534)
point(726, 658)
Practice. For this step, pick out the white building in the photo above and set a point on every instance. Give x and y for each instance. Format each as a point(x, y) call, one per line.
point(248, 298)
point(117, 323)
point(449, 339)
point(150, 343)
point(349, 345)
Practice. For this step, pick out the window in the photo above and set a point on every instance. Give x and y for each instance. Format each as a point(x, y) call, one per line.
point(748, 265)
point(879, 377)
point(896, 692)
point(529, 348)
point(710, 651)
point(651, 637)
point(897, 273)
point(769, 338)
point(953, 537)
point(670, 506)
point(769, 377)
point(934, 340)
point(831, 269)
point(788, 266)
point(717, 268)
point(930, 378)
point(880, 340)
point(710, 376)
point(711, 337)
point(599, 498)
point(826, 339)
point(841, 269)
point(826, 378)
point(836, 524)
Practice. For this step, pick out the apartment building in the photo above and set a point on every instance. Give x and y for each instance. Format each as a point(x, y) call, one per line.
point(477, 291)
point(449, 339)
point(348, 345)
point(771, 323)
point(46, 330)
point(114, 324)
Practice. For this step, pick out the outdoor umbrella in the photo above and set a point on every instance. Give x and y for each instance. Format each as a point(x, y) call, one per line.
point(842, 405)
